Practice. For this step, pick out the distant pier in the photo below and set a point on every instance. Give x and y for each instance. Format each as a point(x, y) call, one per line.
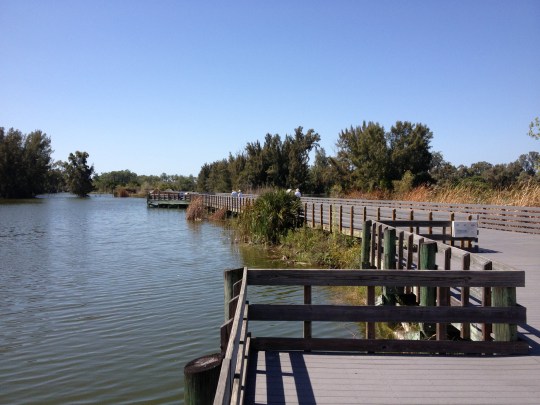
point(168, 199)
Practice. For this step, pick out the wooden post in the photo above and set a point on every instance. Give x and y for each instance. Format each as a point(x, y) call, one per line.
point(411, 218)
point(313, 215)
point(352, 221)
point(486, 302)
point(428, 251)
point(366, 264)
point(307, 301)
point(364, 214)
point(443, 297)
point(340, 218)
point(321, 214)
point(366, 245)
point(331, 219)
point(504, 297)
point(305, 214)
point(465, 296)
point(201, 378)
point(430, 217)
point(230, 278)
point(389, 263)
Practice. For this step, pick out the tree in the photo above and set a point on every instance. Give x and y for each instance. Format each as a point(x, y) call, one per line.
point(363, 157)
point(296, 151)
point(534, 128)
point(37, 161)
point(409, 150)
point(79, 174)
point(25, 162)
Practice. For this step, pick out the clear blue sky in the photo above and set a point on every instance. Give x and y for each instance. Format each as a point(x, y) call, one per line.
point(165, 86)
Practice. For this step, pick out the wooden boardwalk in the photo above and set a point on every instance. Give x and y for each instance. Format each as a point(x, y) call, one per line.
point(315, 378)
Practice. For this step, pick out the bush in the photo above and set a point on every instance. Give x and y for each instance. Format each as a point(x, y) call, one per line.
point(272, 215)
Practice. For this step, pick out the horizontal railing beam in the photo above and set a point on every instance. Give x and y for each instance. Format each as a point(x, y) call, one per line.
point(347, 313)
point(389, 346)
point(392, 278)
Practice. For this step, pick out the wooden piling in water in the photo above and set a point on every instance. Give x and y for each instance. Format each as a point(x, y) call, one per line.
point(201, 378)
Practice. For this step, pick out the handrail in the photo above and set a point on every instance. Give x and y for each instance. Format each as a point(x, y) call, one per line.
point(502, 217)
point(233, 365)
point(498, 312)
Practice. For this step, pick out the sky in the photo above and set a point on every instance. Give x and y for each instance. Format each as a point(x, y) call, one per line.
point(166, 86)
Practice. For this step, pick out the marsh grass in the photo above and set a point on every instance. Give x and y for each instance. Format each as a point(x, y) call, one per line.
point(525, 194)
point(196, 210)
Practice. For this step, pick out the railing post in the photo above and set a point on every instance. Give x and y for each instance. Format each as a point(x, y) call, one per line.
point(389, 263)
point(307, 301)
point(322, 218)
point(365, 264)
point(465, 296)
point(352, 221)
point(313, 215)
point(504, 297)
point(331, 219)
point(366, 245)
point(486, 302)
point(428, 295)
point(340, 218)
point(230, 277)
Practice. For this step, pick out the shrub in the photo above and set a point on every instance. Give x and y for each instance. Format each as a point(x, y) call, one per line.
point(272, 215)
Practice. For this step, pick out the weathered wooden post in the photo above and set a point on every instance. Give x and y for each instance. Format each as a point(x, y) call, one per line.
point(201, 377)
point(504, 297)
point(428, 295)
point(366, 245)
point(230, 278)
point(366, 264)
point(389, 263)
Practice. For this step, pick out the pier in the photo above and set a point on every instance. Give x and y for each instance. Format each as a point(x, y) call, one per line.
point(168, 199)
point(475, 300)
point(498, 363)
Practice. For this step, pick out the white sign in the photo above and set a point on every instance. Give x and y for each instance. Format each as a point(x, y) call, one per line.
point(464, 229)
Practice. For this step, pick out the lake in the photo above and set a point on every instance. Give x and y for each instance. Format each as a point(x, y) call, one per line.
point(103, 300)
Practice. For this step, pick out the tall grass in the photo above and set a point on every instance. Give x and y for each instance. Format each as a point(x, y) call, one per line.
point(524, 195)
point(196, 210)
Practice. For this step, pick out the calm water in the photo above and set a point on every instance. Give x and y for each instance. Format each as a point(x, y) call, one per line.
point(104, 301)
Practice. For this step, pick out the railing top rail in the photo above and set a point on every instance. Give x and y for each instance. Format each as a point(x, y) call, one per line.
point(359, 277)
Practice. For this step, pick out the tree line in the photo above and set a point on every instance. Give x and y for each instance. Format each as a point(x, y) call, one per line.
point(27, 168)
point(368, 158)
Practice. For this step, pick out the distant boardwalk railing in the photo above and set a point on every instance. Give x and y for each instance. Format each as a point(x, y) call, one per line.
point(348, 214)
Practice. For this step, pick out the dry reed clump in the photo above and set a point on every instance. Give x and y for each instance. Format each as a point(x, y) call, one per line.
point(219, 215)
point(196, 211)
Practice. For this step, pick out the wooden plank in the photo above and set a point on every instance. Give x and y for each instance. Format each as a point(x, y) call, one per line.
point(429, 278)
point(347, 313)
point(389, 346)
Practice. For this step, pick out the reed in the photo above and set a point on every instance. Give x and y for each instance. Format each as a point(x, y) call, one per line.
point(196, 210)
point(524, 194)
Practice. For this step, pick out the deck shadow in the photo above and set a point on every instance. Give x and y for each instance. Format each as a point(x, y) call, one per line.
point(532, 336)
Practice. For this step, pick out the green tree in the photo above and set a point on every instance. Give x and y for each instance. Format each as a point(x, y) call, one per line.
point(79, 174)
point(534, 128)
point(363, 157)
point(25, 161)
point(296, 149)
point(410, 151)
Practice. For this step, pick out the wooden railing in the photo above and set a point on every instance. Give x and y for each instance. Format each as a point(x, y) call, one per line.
point(449, 286)
point(502, 217)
